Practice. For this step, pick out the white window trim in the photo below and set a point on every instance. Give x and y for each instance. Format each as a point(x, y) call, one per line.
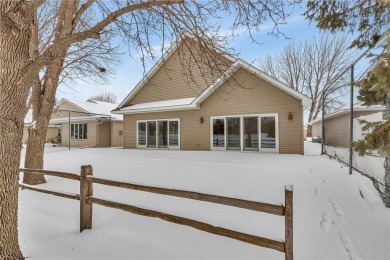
point(78, 129)
point(146, 132)
point(259, 116)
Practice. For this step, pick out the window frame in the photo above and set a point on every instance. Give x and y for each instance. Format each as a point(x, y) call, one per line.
point(169, 147)
point(80, 131)
point(259, 116)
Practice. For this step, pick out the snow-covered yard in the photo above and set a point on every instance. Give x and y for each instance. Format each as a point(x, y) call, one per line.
point(336, 216)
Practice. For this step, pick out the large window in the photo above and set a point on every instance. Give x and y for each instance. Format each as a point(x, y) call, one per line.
point(245, 133)
point(162, 134)
point(78, 131)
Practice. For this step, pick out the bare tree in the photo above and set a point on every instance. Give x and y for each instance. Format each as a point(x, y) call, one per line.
point(75, 22)
point(312, 68)
point(105, 97)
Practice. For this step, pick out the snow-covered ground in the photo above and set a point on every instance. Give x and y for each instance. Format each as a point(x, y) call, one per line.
point(336, 216)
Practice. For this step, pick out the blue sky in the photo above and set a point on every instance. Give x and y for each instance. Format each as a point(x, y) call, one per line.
point(129, 72)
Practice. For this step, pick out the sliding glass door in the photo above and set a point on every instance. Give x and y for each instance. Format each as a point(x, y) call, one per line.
point(268, 132)
point(233, 133)
point(151, 133)
point(251, 136)
point(218, 135)
point(245, 133)
point(161, 134)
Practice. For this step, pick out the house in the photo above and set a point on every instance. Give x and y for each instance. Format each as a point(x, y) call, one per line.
point(337, 130)
point(242, 108)
point(52, 130)
point(88, 123)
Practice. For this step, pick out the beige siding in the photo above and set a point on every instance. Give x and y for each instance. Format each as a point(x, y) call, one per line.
point(89, 142)
point(259, 98)
point(50, 135)
point(336, 129)
point(63, 114)
point(172, 80)
point(117, 134)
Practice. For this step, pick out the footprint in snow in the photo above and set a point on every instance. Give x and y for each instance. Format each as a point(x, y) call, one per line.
point(317, 191)
point(353, 255)
point(337, 209)
point(325, 222)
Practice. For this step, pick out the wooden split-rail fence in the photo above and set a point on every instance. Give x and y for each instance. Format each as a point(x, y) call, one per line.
point(87, 200)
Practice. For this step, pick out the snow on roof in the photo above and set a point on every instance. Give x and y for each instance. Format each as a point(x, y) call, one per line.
point(164, 105)
point(99, 108)
point(345, 110)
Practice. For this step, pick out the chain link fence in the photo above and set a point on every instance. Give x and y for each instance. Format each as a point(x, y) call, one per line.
point(371, 165)
point(335, 132)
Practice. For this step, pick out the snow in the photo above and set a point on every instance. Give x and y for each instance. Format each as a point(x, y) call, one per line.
point(336, 215)
point(159, 104)
point(95, 107)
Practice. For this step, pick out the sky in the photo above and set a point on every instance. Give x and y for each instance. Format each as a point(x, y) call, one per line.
point(129, 72)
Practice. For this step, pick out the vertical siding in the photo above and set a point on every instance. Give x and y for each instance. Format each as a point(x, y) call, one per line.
point(258, 97)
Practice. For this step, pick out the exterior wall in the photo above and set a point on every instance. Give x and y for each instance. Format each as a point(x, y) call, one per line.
point(172, 81)
point(51, 134)
point(117, 134)
point(89, 142)
point(258, 97)
point(67, 106)
point(337, 129)
point(103, 134)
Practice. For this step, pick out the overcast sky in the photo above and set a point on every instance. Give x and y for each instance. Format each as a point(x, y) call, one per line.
point(129, 72)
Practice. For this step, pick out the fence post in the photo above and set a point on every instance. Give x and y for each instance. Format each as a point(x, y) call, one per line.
point(288, 216)
point(86, 190)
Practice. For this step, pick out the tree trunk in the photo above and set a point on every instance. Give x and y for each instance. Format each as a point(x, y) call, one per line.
point(34, 155)
point(15, 33)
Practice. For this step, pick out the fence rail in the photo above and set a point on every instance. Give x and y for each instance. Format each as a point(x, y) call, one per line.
point(87, 200)
point(239, 203)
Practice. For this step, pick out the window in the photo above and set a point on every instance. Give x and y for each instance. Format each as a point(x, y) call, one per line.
point(219, 132)
point(161, 134)
point(79, 131)
point(245, 133)
point(268, 137)
point(142, 133)
point(173, 133)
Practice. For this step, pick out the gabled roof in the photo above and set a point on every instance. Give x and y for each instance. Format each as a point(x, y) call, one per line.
point(96, 109)
point(237, 63)
point(357, 107)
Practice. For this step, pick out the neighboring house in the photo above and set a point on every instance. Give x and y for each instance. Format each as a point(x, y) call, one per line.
point(88, 123)
point(337, 123)
point(244, 109)
point(52, 130)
